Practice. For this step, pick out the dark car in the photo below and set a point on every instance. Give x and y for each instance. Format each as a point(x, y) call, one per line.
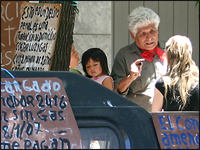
point(105, 119)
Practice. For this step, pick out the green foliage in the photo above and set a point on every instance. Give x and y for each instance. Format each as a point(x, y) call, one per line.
point(197, 3)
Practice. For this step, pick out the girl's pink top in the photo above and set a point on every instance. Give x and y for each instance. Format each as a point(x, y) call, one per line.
point(100, 79)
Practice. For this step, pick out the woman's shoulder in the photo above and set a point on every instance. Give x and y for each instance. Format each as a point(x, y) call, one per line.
point(160, 84)
point(75, 70)
point(160, 81)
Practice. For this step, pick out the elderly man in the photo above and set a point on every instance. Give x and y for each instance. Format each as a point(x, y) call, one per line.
point(137, 66)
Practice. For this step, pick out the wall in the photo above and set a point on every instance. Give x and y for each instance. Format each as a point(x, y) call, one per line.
point(93, 28)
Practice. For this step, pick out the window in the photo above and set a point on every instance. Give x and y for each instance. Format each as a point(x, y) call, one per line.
point(99, 138)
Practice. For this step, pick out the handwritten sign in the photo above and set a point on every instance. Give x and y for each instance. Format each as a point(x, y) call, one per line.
point(36, 114)
point(10, 18)
point(178, 130)
point(36, 36)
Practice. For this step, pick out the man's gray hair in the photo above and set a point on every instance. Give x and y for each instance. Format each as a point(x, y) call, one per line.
point(141, 17)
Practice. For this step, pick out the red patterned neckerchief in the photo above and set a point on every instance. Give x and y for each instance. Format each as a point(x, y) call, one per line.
point(148, 55)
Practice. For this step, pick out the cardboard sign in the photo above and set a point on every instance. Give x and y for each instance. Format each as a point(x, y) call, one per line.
point(36, 114)
point(10, 18)
point(36, 37)
point(177, 130)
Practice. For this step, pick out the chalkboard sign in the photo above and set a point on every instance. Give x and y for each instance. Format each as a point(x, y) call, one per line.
point(177, 130)
point(36, 36)
point(36, 114)
point(10, 18)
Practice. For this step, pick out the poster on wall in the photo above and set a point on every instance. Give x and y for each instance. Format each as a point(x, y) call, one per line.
point(36, 36)
point(10, 18)
point(36, 114)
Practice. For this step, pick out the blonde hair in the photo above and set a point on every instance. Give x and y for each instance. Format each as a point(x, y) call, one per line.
point(182, 72)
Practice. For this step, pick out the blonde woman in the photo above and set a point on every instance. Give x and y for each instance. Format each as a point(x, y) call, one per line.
point(178, 89)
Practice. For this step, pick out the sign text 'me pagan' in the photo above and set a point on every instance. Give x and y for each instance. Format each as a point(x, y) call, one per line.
point(36, 36)
point(36, 114)
point(177, 130)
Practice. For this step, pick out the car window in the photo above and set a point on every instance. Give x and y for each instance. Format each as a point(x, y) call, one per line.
point(99, 138)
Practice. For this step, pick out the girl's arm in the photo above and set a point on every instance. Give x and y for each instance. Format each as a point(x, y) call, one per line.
point(157, 101)
point(108, 82)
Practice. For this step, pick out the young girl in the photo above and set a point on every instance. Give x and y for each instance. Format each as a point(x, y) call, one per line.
point(95, 66)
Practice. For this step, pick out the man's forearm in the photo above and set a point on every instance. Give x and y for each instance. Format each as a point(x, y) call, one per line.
point(124, 84)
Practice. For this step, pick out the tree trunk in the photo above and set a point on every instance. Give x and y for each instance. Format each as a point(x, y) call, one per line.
point(62, 52)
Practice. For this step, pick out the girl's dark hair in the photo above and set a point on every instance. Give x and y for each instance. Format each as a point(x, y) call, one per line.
point(95, 54)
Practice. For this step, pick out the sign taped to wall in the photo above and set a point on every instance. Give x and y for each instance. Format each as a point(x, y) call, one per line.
point(36, 114)
point(36, 36)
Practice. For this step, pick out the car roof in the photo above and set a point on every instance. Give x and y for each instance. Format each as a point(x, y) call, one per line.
point(80, 90)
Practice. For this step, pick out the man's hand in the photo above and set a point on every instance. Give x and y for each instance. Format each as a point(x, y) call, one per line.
point(136, 68)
